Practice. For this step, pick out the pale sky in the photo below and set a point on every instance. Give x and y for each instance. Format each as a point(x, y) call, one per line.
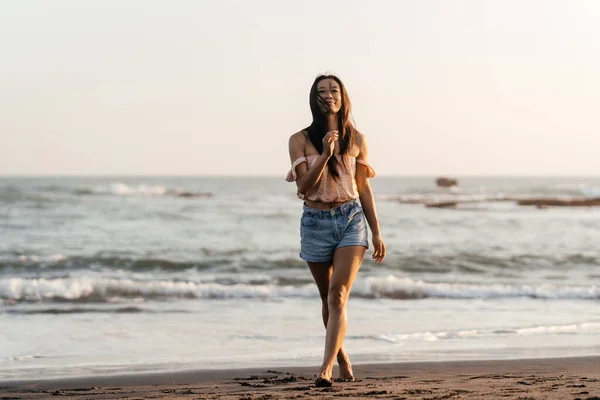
point(465, 87)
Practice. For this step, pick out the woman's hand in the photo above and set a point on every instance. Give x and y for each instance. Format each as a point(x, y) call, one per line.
point(378, 249)
point(329, 143)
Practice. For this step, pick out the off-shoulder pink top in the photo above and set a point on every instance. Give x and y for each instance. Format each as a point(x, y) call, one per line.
point(328, 190)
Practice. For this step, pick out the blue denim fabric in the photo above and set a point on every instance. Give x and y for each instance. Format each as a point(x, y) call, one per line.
point(323, 231)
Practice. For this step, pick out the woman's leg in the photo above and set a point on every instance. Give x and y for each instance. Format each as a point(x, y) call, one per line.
point(346, 262)
point(321, 273)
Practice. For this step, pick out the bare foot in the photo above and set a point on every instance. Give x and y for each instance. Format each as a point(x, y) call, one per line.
point(324, 379)
point(322, 382)
point(325, 374)
point(346, 373)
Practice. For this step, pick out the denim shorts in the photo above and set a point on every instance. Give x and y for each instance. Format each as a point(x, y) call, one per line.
point(323, 231)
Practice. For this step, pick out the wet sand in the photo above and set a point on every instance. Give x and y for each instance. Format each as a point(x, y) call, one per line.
point(557, 378)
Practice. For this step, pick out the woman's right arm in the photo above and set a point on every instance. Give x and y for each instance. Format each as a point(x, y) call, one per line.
point(307, 178)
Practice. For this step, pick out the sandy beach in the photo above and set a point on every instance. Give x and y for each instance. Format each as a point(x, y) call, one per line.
point(557, 378)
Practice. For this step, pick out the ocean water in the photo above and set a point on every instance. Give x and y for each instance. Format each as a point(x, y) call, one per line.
point(112, 274)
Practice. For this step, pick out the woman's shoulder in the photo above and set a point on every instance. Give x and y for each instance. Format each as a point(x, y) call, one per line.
point(359, 139)
point(359, 135)
point(299, 136)
point(297, 144)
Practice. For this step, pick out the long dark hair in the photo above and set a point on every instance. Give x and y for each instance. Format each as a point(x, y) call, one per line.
point(318, 128)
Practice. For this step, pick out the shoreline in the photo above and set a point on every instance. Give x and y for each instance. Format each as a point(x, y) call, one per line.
point(547, 378)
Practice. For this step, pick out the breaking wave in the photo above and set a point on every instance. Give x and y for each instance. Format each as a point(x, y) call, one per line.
point(89, 289)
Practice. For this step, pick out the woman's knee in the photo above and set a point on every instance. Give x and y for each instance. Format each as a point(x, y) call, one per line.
point(337, 297)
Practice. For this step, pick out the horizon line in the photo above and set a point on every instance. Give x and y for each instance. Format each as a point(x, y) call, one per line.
point(141, 175)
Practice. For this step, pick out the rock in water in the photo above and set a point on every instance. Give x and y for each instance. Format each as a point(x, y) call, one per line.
point(446, 182)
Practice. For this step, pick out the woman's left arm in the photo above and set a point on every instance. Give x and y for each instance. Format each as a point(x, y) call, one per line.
point(363, 173)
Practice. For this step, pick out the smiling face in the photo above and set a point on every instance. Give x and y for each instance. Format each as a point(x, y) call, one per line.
point(330, 107)
point(329, 96)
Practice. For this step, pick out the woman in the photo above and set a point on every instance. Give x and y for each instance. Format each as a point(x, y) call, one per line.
point(329, 166)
